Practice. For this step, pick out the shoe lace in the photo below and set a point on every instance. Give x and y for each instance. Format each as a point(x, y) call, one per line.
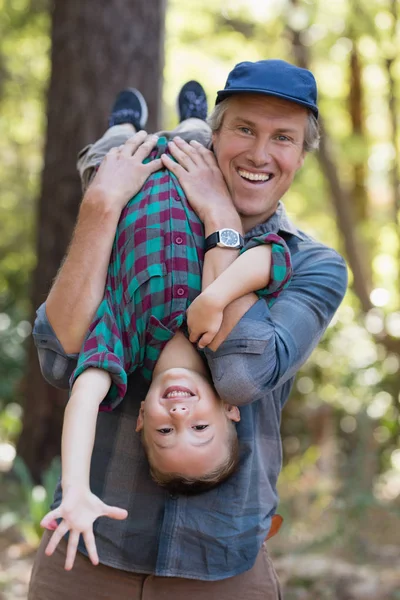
point(194, 102)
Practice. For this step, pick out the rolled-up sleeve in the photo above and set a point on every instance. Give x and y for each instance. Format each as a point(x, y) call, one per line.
point(55, 364)
point(281, 265)
point(103, 349)
point(269, 345)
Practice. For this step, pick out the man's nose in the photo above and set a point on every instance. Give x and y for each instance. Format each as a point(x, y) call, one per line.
point(260, 153)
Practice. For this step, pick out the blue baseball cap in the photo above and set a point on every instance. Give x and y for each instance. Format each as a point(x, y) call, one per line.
point(273, 78)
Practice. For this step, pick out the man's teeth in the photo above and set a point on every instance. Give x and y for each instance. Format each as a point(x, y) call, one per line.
point(253, 176)
point(176, 394)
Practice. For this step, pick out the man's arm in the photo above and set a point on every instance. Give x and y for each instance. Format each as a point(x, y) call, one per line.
point(79, 285)
point(267, 346)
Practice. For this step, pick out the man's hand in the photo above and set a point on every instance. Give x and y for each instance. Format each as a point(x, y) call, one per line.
point(200, 178)
point(78, 510)
point(122, 173)
point(204, 318)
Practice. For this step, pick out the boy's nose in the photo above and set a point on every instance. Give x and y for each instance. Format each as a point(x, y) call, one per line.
point(179, 410)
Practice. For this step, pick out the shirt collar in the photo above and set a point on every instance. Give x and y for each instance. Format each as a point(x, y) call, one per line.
point(278, 222)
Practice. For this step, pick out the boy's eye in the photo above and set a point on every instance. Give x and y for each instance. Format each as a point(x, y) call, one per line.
point(165, 430)
point(200, 427)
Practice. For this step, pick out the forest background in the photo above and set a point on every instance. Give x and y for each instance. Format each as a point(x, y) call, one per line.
point(61, 63)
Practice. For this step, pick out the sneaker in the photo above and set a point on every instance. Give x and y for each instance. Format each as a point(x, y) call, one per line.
point(192, 102)
point(129, 107)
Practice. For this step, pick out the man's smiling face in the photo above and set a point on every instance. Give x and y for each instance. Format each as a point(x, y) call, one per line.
point(259, 148)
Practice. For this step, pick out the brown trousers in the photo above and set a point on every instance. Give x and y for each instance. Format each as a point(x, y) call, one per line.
point(49, 581)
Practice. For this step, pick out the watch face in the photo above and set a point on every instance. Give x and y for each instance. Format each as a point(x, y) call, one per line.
point(229, 237)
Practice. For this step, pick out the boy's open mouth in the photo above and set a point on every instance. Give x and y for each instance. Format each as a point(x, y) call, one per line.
point(177, 391)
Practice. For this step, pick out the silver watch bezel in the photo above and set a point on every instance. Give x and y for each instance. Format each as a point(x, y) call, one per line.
point(222, 244)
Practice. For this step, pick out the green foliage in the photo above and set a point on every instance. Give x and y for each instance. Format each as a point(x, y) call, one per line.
point(27, 502)
point(24, 69)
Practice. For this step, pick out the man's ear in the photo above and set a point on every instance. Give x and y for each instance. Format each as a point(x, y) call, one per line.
point(232, 412)
point(301, 159)
point(140, 419)
point(214, 140)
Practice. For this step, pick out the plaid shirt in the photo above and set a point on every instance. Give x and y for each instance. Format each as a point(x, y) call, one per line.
point(154, 274)
point(219, 533)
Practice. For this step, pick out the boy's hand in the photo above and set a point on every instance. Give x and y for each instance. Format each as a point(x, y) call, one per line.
point(122, 173)
point(78, 510)
point(204, 318)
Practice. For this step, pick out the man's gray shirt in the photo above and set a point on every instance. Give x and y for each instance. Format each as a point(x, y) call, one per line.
point(217, 534)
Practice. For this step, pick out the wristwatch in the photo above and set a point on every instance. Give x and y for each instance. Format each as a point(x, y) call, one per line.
point(224, 238)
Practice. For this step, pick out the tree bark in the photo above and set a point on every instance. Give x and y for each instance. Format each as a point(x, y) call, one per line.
point(98, 48)
point(359, 192)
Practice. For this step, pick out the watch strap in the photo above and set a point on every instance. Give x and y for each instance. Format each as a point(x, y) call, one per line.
point(211, 241)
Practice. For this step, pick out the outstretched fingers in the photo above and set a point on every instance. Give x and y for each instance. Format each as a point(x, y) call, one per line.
point(88, 538)
point(49, 520)
point(56, 538)
point(72, 547)
point(114, 512)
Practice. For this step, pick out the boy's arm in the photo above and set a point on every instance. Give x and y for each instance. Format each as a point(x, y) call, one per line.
point(79, 507)
point(79, 285)
point(249, 272)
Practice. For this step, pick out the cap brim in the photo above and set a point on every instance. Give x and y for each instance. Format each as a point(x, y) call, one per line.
point(222, 94)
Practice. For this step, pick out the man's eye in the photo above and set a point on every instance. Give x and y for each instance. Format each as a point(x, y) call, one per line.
point(165, 430)
point(283, 138)
point(245, 130)
point(200, 427)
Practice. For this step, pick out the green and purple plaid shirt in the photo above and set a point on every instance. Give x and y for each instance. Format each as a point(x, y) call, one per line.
point(154, 274)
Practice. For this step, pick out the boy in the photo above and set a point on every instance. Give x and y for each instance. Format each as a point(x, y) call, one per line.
point(153, 278)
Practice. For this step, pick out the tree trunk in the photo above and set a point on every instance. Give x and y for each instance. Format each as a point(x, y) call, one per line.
point(98, 48)
point(359, 192)
point(341, 199)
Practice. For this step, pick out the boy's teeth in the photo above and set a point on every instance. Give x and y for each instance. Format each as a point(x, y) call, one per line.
point(253, 176)
point(178, 393)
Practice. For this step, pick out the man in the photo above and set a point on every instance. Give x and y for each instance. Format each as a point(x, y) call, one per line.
point(209, 545)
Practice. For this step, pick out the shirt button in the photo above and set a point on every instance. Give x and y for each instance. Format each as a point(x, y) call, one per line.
point(180, 291)
point(179, 240)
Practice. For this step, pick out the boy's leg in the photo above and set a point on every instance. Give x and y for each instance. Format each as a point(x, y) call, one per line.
point(91, 156)
point(191, 129)
point(128, 115)
point(192, 110)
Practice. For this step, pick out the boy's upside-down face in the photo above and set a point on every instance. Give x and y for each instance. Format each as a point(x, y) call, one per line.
point(186, 427)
